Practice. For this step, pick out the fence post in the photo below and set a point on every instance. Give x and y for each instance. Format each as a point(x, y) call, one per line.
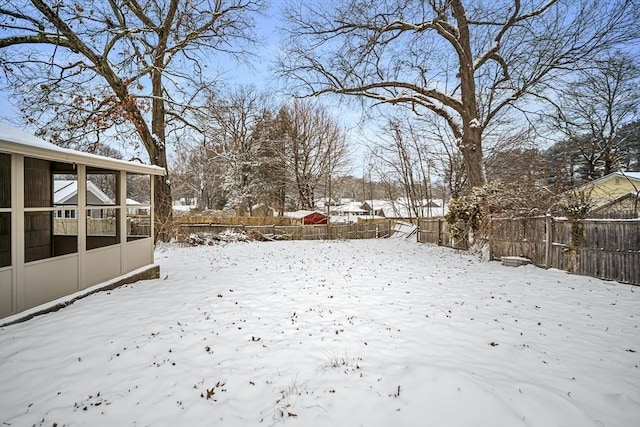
point(490, 238)
point(549, 240)
point(439, 241)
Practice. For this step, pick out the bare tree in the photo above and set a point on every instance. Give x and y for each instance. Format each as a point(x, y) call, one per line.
point(404, 162)
point(440, 147)
point(593, 108)
point(373, 184)
point(518, 166)
point(464, 61)
point(629, 139)
point(197, 173)
point(231, 121)
point(91, 65)
point(315, 147)
point(449, 166)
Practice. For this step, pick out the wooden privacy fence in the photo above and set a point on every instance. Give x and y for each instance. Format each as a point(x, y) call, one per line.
point(101, 226)
point(231, 220)
point(607, 249)
point(297, 232)
point(436, 231)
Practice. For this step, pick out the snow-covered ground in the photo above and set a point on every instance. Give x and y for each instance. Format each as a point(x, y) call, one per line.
point(331, 333)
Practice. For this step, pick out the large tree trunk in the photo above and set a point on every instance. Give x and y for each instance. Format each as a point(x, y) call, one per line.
point(163, 208)
point(305, 193)
point(608, 156)
point(158, 156)
point(471, 143)
point(471, 149)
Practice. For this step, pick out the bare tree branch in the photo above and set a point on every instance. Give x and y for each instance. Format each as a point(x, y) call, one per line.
point(464, 61)
point(118, 64)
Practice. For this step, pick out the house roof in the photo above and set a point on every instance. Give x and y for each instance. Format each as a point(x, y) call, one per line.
point(13, 140)
point(615, 201)
point(301, 214)
point(64, 189)
point(351, 207)
point(633, 176)
point(391, 209)
point(400, 207)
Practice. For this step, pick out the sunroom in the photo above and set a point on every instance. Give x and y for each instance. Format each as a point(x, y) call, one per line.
point(69, 221)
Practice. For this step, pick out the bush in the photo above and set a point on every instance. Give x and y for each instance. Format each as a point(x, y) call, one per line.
point(576, 207)
point(470, 214)
point(464, 215)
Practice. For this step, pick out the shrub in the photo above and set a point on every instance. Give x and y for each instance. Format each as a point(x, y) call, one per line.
point(576, 207)
point(470, 214)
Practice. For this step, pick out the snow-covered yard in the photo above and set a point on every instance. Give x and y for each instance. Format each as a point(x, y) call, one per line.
point(331, 333)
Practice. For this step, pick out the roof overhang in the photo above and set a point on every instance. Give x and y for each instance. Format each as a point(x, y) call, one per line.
point(15, 141)
point(629, 176)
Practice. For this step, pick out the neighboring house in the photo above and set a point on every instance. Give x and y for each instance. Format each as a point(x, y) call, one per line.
point(134, 207)
point(614, 194)
point(185, 204)
point(400, 208)
point(65, 192)
point(304, 217)
point(388, 208)
point(353, 211)
point(627, 206)
point(380, 208)
point(321, 204)
point(352, 208)
point(349, 212)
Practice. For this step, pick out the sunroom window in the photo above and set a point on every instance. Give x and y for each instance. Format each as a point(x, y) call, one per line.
point(49, 188)
point(5, 210)
point(103, 208)
point(138, 206)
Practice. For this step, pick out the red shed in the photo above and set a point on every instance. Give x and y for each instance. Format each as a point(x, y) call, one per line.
point(306, 217)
